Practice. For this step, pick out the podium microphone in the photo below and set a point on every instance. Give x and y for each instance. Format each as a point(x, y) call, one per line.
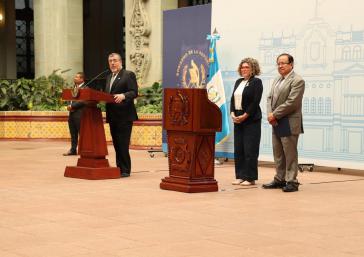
point(98, 75)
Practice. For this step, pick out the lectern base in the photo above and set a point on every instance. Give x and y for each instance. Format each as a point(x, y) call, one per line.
point(92, 173)
point(189, 186)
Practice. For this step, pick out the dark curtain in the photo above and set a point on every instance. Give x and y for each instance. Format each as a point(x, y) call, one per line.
point(103, 33)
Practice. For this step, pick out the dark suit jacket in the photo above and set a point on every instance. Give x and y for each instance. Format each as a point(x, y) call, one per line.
point(252, 95)
point(125, 83)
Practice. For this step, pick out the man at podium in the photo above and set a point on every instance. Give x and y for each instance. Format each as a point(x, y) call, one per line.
point(120, 115)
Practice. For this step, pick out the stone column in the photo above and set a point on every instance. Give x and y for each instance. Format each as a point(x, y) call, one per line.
point(58, 36)
point(144, 37)
point(7, 40)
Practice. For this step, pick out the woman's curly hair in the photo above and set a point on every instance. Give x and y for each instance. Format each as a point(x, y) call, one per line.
point(254, 65)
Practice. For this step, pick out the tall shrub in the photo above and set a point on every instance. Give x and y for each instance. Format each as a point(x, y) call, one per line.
point(43, 93)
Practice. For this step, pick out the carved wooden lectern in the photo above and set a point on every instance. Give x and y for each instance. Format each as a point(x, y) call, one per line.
point(92, 142)
point(191, 121)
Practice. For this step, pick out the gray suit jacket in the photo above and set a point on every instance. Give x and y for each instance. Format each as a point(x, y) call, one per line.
point(289, 101)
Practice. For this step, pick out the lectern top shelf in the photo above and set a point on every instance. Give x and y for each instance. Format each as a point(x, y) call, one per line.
point(87, 94)
point(190, 110)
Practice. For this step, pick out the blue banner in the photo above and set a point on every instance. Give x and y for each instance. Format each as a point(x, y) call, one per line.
point(185, 48)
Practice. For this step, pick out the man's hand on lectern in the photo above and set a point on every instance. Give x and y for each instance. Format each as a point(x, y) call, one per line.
point(119, 98)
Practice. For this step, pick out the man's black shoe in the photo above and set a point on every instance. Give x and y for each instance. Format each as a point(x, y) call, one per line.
point(69, 153)
point(274, 184)
point(290, 187)
point(124, 175)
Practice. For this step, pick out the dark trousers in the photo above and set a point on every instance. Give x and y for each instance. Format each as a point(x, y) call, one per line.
point(121, 133)
point(246, 150)
point(74, 125)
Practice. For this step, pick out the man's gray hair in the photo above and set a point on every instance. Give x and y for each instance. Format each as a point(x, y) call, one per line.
point(115, 54)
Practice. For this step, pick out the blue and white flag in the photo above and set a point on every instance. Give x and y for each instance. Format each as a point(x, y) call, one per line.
point(215, 88)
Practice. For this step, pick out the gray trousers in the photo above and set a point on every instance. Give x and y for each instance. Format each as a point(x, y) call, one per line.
point(285, 157)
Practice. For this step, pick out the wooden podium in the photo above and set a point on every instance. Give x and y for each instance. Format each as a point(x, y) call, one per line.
point(92, 142)
point(191, 121)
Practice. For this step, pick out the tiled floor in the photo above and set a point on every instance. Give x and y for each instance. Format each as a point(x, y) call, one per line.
point(42, 213)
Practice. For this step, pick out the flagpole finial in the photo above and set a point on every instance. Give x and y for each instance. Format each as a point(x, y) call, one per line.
point(213, 36)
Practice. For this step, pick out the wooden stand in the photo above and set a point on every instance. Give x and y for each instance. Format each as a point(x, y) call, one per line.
point(92, 145)
point(191, 121)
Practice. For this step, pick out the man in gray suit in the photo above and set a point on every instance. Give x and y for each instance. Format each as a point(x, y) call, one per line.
point(284, 111)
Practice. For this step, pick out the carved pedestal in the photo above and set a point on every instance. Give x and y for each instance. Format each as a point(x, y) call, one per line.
point(191, 121)
point(191, 162)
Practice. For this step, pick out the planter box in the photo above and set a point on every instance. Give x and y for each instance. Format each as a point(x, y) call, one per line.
point(53, 125)
point(147, 132)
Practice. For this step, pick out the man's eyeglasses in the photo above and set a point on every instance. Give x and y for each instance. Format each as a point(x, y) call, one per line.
point(282, 63)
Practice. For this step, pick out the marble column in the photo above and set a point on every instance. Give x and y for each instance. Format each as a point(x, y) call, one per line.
point(58, 36)
point(144, 37)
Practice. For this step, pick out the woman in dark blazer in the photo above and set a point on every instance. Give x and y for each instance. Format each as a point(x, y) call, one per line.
point(246, 115)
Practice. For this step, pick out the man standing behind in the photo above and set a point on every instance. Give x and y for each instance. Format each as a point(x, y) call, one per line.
point(121, 114)
point(75, 112)
point(284, 111)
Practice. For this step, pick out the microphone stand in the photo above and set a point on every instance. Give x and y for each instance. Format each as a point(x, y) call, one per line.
point(93, 79)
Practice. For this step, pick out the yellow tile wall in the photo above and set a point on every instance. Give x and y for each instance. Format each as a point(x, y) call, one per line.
point(141, 135)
